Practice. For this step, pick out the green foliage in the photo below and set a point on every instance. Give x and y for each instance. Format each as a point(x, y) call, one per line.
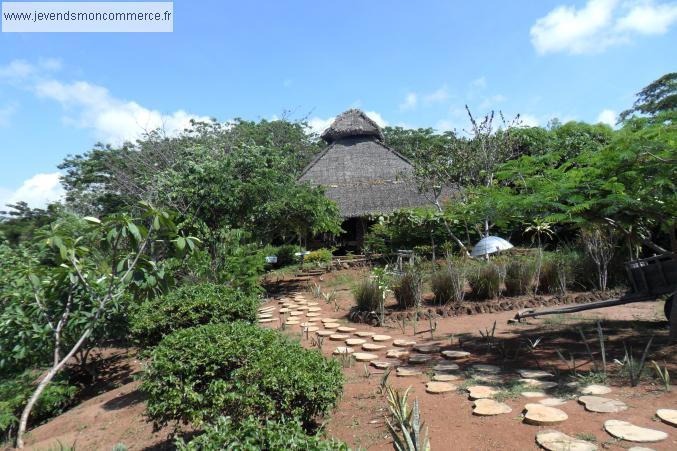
point(519, 275)
point(448, 284)
point(318, 256)
point(558, 271)
point(196, 374)
point(253, 435)
point(406, 428)
point(15, 391)
point(485, 280)
point(285, 254)
point(659, 96)
point(188, 306)
point(407, 288)
point(368, 296)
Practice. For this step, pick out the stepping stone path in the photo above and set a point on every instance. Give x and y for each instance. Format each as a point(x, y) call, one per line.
point(442, 367)
point(372, 346)
point(481, 392)
point(404, 343)
point(534, 374)
point(265, 315)
point(397, 354)
point(427, 349)
point(292, 323)
point(439, 387)
point(379, 364)
point(404, 371)
point(313, 314)
point(489, 407)
point(296, 313)
point(314, 309)
point(595, 390)
point(324, 333)
point(558, 441)
point(364, 334)
point(268, 320)
point(338, 337)
point(493, 369)
point(381, 337)
point(446, 377)
point(602, 405)
point(455, 355)
point(331, 325)
point(552, 402)
point(536, 383)
point(346, 329)
point(533, 394)
point(355, 341)
point(302, 308)
point(628, 431)
point(364, 356)
point(312, 328)
point(489, 378)
point(668, 416)
point(541, 415)
point(329, 320)
point(284, 310)
point(343, 350)
point(419, 358)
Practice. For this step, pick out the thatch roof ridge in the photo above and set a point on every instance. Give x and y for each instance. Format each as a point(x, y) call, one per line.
point(352, 123)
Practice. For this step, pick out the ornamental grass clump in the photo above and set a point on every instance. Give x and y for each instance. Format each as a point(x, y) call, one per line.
point(448, 284)
point(368, 296)
point(407, 288)
point(485, 281)
point(519, 276)
point(557, 272)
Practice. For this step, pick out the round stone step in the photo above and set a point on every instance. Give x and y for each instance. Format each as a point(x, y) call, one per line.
point(355, 341)
point(439, 387)
point(313, 314)
point(338, 337)
point(595, 389)
point(541, 415)
point(404, 371)
point(312, 304)
point(640, 448)
point(628, 431)
point(290, 322)
point(444, 367)
point(552, 402)
point(329, 320)
point(285, 310)
point(331, 325)
point(364, 356)
point(381, 337)
point(346, 329)
point(489, 378)
point(427, 349)
point(489, 407)
point(379, 364)
point(363, 333)
point(307, 324)
point(324, 333)
point(268, 320)
point(668, 416)
point(314, 309)
point(296, 313)
point(397, 354)
point(537, 383)
point(557, 441)
point(343, 350)
point(311, 328)
point(418, 359)
point(446, 377)
point(533, 394)
point(534, 374)
point(455, 355)
point(372, 347)
point(483, 368)
point(302, 308)
point(602, 405)
point(403, 343)
point(481, 392)
point(265, 315)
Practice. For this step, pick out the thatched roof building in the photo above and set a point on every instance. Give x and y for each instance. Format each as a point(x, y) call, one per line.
point(359, 172)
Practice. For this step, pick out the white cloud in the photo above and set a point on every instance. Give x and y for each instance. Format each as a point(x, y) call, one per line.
point(438, 96)
point(16, 70)
point(409, 102)
point(492, 101)
point(479, 83)
point(6, 113)
point(608, 117)
point(529, 120)
point(376, 117)
point(37, 191)
point(599, 25)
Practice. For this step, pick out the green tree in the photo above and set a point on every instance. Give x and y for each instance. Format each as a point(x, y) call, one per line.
point(659, 96)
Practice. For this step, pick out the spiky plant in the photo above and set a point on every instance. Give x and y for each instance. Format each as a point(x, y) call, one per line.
point(406, 426)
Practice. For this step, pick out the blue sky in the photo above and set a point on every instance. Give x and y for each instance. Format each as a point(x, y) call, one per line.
point(413, 64)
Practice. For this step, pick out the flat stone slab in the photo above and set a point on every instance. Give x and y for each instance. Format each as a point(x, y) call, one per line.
point(343, 350)
point(364, 333)
point(296, 313)
point(268, 320)
point(628, 431)
point(481, 392)
point(427, 349)
point(489, 407)
point(338, 337)
point(292, 323)
point(640, 448)
point(364, 356)
point(533, 394)
point(602, 405)
point(534, 374)
point(404, 343)
point(265, 315)
point(595, 389)
point(312, 304)
point(552, 402)
point(324, 333)
point(541, 415)
point(331, 325)
point(355, 341)
point(346, 329)
point(489, 378)
point(372, 347)
point(329, 320)
point(439, 387)
point(442, 367)
point(455, 355)
point(380, 364)
point(307, 324)
point(483, 368)
point(668, 416)
point(302, 308)
point(285, 310)
point(313, 314)
point(446, 377)
point(537, 383)
point(404, 371)
point(397, 354)
point(558, 441)
point(314, 309)
point(419, 359)
point(381, 337)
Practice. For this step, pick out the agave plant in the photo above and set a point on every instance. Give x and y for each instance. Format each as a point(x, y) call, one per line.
point(406, 426)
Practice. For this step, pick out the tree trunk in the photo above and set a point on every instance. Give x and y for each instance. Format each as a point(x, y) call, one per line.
point(448, 229)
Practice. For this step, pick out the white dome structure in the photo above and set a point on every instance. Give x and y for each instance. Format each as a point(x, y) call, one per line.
point(490, 245)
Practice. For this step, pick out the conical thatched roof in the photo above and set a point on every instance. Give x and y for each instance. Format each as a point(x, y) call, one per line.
point(352, 123)
point(360, 173)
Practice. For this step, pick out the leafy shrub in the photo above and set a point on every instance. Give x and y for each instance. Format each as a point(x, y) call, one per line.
point(485, 280)
point(318, 256)
point(14, 394)
point(188, 306)
point(407, 288)
point(448, 285)
point(254, 435)
point(195, 375)
point(368, 296)
point(285, 254)
point(519, 276)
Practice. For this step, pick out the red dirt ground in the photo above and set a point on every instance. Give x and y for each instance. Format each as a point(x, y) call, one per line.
point(117, 415)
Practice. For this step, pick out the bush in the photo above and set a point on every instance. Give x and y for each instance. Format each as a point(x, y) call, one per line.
point(188, 306)
point(285, 255)
point(14, 394)
point(448, 285)
point(407, 288)
point(195, 375)
point(318, 256)
point(368, 296)
point(485, 281)
point(254, 435)
point(519, 276)
point(557, 272)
